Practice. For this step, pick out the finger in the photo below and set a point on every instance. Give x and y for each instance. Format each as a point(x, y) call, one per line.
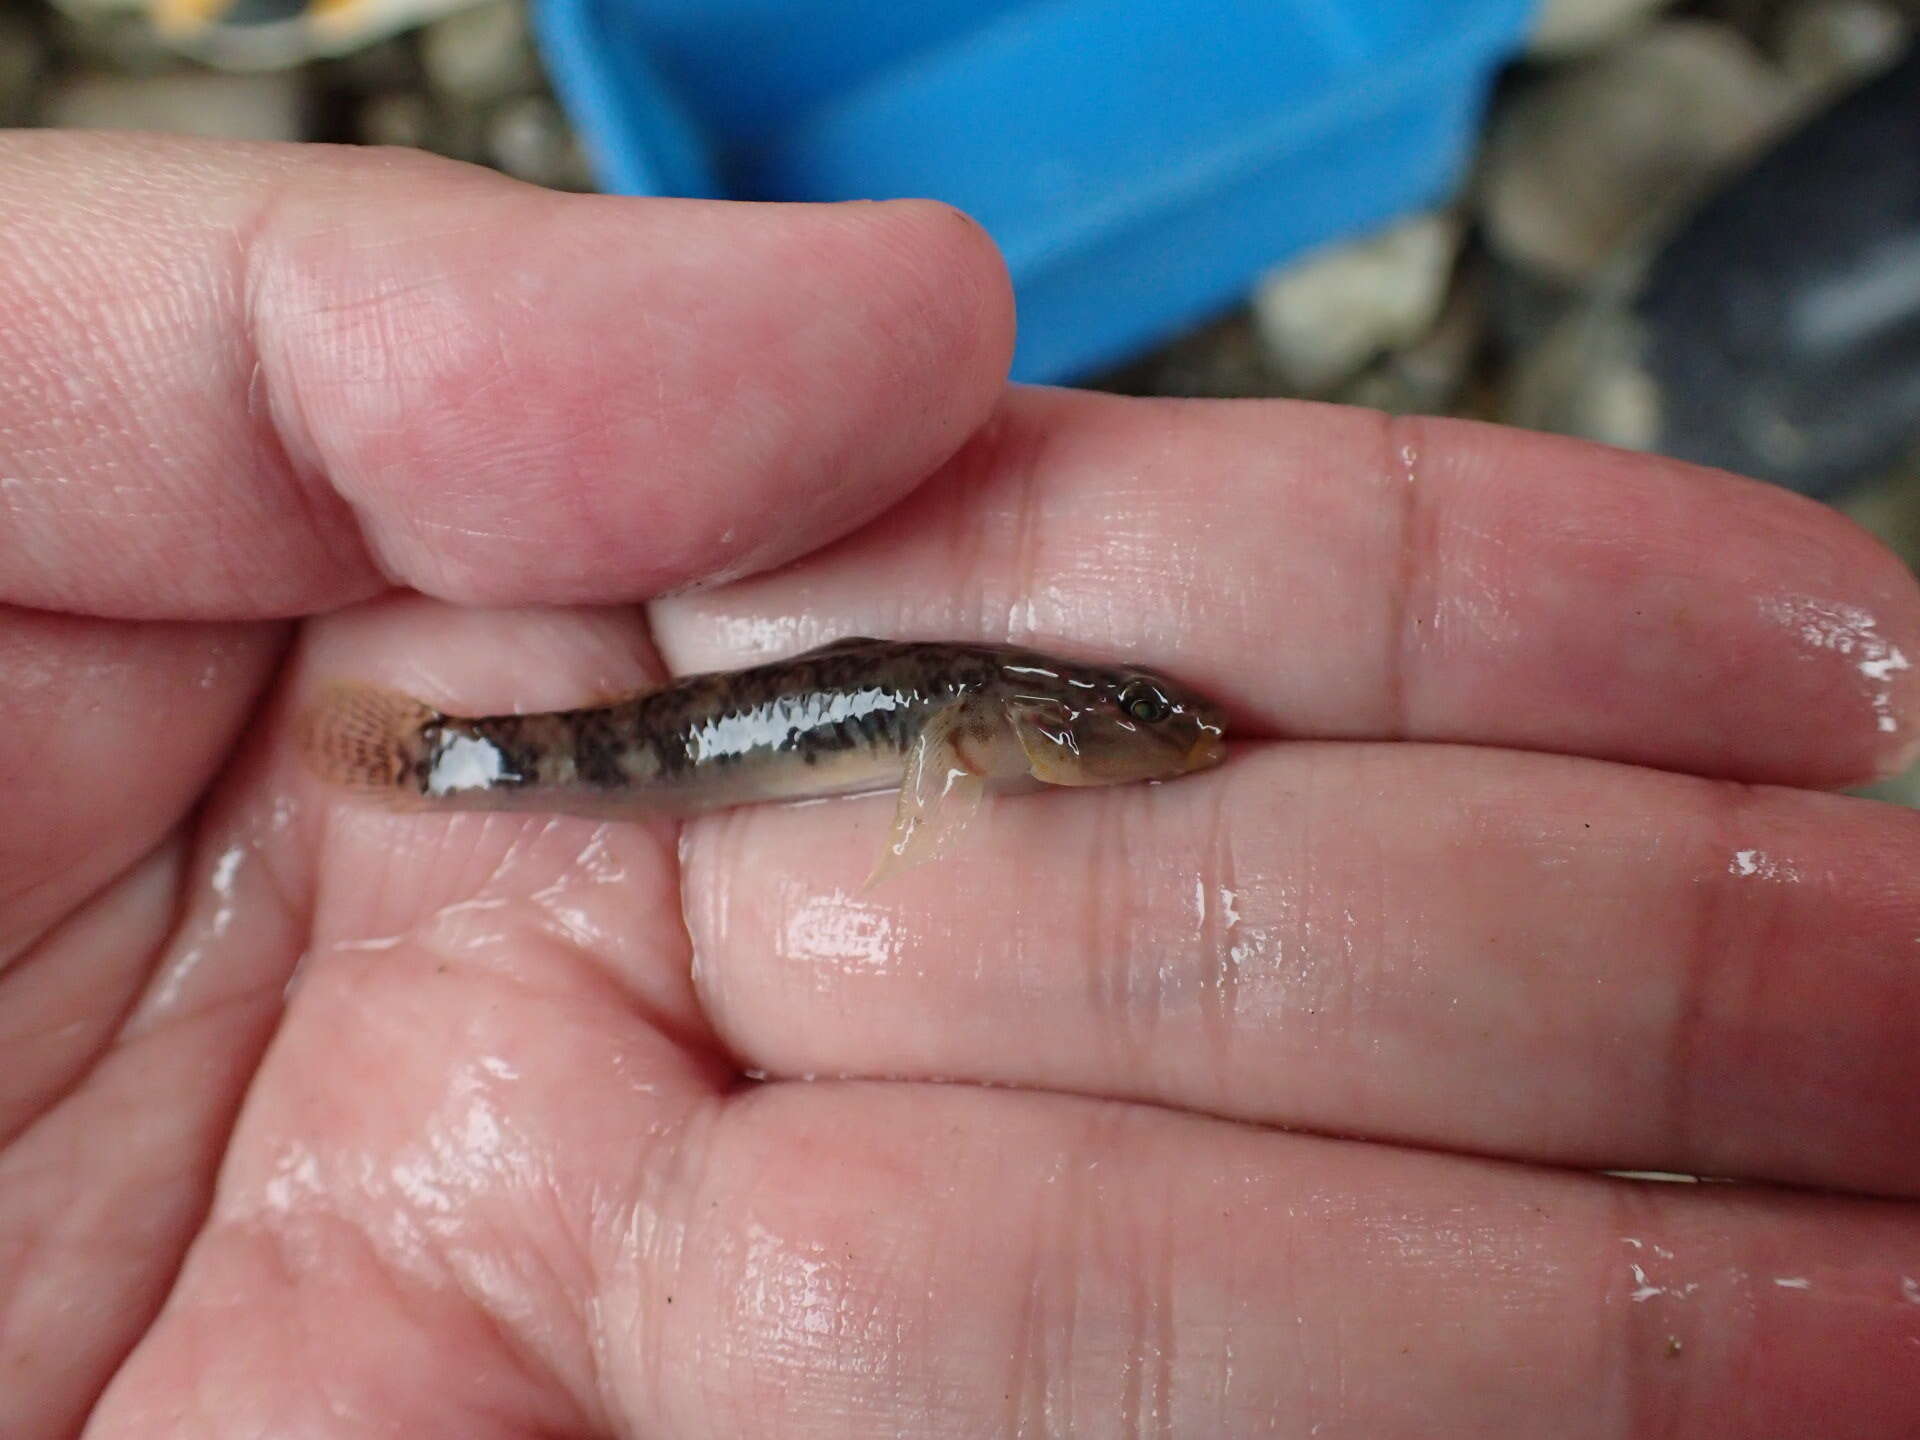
point(107, 734)
point(130, 1034)
point(491, 1032)
point(1517, 955)
point(1336, 574)
point(245, 381)
point(909, 1260)
point(942, 1261)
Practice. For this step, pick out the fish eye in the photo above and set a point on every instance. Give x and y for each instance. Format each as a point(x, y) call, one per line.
point(1142, 702)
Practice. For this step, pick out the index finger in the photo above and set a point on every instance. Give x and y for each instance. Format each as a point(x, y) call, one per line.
point(1337, 574)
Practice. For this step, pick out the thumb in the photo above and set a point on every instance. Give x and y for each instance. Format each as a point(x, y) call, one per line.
point(243, 381)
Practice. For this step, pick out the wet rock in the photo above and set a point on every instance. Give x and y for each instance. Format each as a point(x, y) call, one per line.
point(112, 35)
point(1589, 377)
point(399, 117)
point(388, 65)
point(1221, 360)
point(192, 102)
point(481, 54)
point(1573, 27)
point(1784, 318)
point(23, 64)
point(1826, 45)
point(1323, 319)
point(279, 34)
point(1430, 376)
point(460, 131)
point(529, 137)
point(1776, 332)
point(1596, 153)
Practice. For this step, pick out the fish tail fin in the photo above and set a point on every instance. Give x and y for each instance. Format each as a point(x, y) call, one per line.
point(365, 738)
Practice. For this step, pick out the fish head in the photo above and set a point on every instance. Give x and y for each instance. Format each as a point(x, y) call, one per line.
point(1110, 727)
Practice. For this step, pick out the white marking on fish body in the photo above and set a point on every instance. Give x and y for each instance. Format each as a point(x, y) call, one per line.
point(466, 762)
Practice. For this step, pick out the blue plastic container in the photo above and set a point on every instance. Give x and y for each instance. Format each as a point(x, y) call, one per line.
point(1140, 162)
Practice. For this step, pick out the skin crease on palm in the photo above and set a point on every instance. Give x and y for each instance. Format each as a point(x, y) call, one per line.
point(1273, 1098)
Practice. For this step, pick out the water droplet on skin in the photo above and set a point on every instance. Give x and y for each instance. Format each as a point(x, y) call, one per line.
point(1759, 865)
point(1850, 632)
point(840, 931)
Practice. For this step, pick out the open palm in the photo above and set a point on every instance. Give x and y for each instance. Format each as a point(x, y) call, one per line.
point(320, 1120)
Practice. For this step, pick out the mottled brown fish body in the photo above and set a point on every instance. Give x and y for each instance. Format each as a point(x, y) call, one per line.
point(853, 716)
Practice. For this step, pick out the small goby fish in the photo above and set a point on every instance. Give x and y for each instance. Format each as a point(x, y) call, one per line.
point(942, 722)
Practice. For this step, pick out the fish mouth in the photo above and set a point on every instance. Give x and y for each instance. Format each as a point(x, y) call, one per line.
point(1209, 750)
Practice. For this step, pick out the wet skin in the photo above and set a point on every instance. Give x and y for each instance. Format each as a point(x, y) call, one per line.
point(1265, 1101)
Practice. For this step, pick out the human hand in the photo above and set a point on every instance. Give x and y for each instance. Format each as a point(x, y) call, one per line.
point(322, 1120)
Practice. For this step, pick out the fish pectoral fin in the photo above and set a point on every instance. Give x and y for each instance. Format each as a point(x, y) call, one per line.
point(1045, 733)
point(940, 790)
